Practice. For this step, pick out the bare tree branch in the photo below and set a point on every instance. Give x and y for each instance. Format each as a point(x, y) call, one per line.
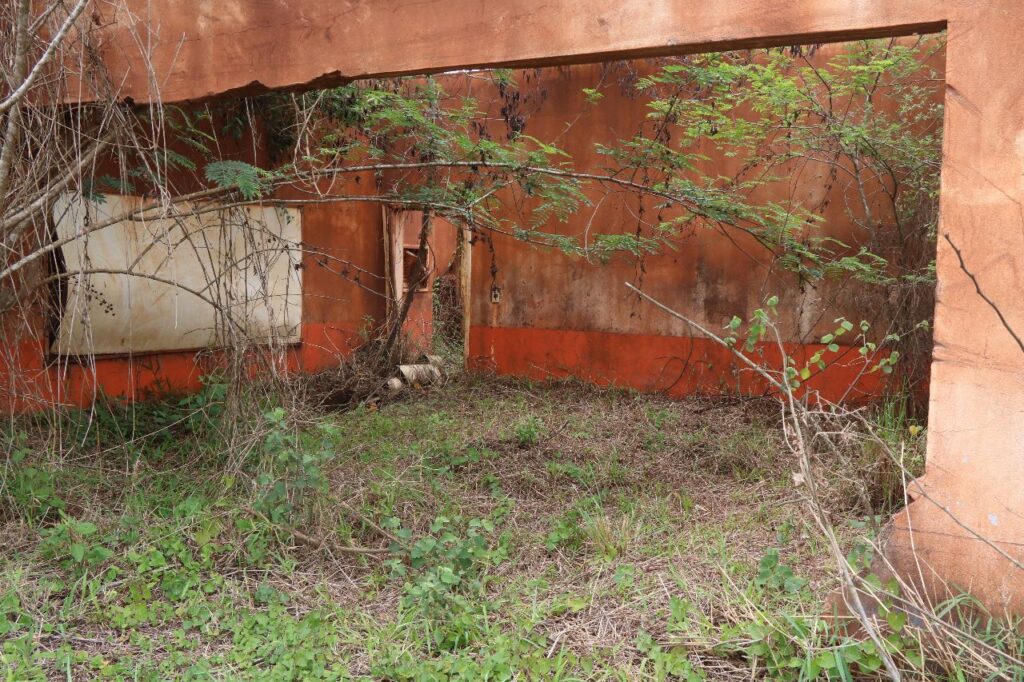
point(51, 48)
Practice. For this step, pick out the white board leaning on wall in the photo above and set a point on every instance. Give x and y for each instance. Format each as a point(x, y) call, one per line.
point(216, 276)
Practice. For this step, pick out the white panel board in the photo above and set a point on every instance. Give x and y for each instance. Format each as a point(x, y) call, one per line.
point(204, 280)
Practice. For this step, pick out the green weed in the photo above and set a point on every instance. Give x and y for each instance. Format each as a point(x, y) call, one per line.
point(486, 562)
point(527, 432)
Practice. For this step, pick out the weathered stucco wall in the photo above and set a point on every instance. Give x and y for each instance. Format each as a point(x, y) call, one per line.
point(593, 326)
point(336, 302)
point(976, 444)
point(200, 50)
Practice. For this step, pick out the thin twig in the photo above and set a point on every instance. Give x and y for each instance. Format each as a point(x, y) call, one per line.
point(977, 288)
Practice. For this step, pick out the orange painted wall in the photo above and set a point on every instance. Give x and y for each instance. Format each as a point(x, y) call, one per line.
point(337, 302)
point(560, 314)
point(343, 279)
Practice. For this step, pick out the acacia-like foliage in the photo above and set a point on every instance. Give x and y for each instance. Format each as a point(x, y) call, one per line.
point(870, 116)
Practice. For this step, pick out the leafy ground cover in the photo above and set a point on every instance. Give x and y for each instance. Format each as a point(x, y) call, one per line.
point(489, 530)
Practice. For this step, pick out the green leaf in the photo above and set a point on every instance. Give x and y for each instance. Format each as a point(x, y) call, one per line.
point(842, 668)
point(236, 175)
point(793, 584)
point(896, 620)
point(99, 554)
point(77, 552)
point(176, 160)
point(826, 660)
point(85, 528)
point(577, 604)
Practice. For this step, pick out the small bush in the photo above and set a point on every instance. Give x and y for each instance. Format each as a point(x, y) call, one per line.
point(30, 491)
point(527, 432)
point(291, 473)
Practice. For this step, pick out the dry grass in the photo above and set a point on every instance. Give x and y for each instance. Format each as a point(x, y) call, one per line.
point(685, 493)
point(609, 510)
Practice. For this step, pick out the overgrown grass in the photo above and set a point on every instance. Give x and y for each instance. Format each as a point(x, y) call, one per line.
point(491, 530)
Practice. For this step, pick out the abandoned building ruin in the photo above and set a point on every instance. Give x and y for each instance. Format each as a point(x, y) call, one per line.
point(537, 313)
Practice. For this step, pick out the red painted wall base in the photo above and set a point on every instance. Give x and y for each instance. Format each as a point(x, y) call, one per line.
point(36, 382)
point(676, 366)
